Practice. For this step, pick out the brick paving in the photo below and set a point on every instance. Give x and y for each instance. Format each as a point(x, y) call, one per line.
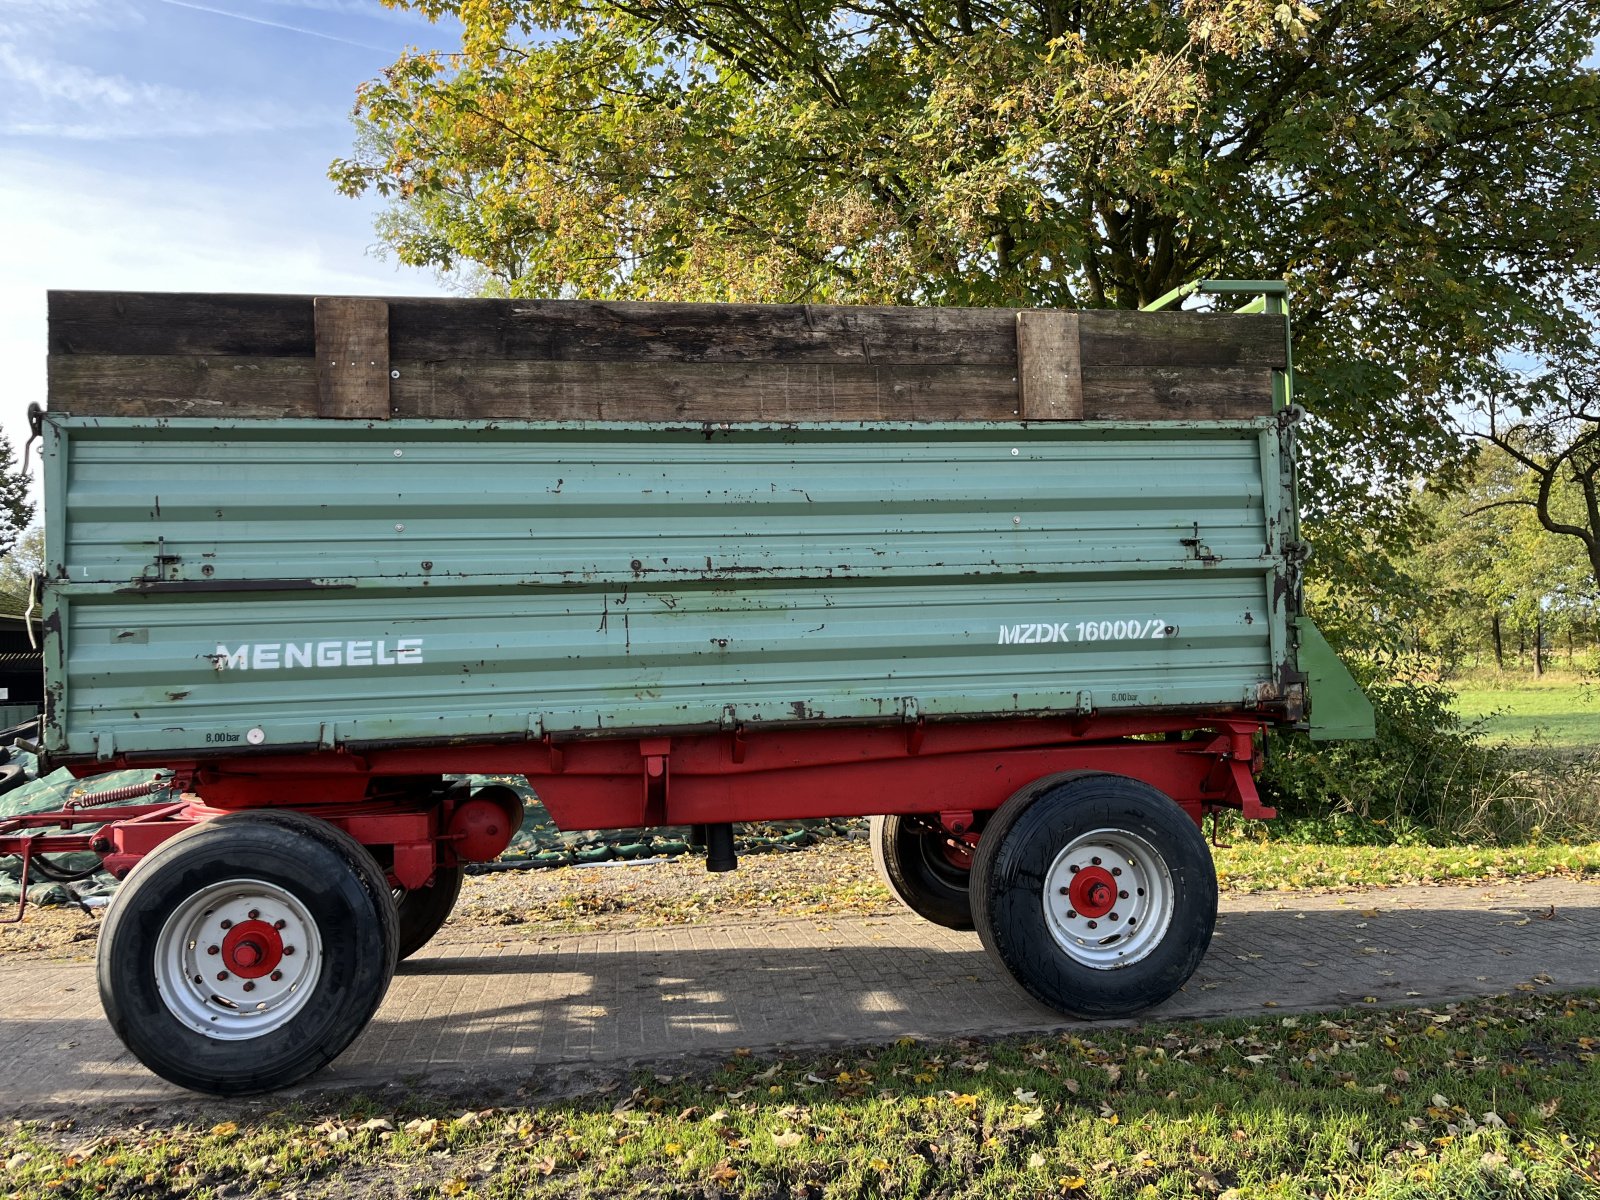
point(481, 1013)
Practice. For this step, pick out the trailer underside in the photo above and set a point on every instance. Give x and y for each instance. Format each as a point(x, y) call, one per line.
point(393, 800)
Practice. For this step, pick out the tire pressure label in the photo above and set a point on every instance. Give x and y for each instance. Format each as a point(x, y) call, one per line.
point(1056, 632)
point(351, 652)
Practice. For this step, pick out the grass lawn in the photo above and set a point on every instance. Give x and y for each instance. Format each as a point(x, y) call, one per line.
point(1560, 710)
point(1495, 1097)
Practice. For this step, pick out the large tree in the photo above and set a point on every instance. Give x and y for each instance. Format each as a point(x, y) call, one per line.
point(1550, 428)
point(1424, 172)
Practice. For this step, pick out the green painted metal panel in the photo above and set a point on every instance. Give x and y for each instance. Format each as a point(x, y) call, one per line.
point(1339, 709)
point(301, 583)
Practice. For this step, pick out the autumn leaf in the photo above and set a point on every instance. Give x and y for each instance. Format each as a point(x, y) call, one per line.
point(788, 1139)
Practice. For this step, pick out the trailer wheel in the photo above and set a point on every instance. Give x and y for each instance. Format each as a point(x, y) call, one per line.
point(424, 910)
point(1095, 892)
point(247, 952)
point(914, 858)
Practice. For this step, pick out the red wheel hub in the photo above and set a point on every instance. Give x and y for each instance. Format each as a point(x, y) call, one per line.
point(958, 854)
point(252, 949)
point(1093, 892)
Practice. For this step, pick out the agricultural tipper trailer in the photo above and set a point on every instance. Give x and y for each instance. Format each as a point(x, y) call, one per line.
point(1023, 587)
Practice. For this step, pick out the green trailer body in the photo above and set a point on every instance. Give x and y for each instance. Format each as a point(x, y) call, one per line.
point(300, 584)
point(1022, 587)
point(288, 580)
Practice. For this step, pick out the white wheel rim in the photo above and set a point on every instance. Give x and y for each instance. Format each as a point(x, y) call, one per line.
point(1101, 931)
point(238, 959)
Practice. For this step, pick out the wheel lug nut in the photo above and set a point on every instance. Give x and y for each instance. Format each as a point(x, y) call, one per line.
point(254, 913)
point(227, 924)
point(279, 924)
point(1122, 895)
point(1113, 916)
point(287, 950)
point(1116, 870)
point(275, 976)
point(1095, 860)
point(213, 950)
point(221, 975)
point(1066, 891)
point(1073, 868)
point(249, 987)
point(1071, 915)
point(1094, 924)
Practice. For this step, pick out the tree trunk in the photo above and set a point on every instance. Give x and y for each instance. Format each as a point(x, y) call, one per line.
point(1538, 647)
point(1499, 643)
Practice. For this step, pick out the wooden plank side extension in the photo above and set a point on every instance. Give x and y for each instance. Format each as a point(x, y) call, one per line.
point(352, 358)
point(714, 392)
point(180, 323)
point(1049, 373)
point(173, 385)
point(120, 354)
point(616, 331)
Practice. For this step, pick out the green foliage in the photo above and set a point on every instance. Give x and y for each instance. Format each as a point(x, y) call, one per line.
point(1484, 554)
point(1423, 172)
point(1423, 769)
point(16, 509)
point(17, 568)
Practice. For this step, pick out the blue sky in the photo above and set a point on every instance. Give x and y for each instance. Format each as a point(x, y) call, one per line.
point(182, 145)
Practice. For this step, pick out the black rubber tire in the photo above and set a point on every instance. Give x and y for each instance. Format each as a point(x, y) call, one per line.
point(1009, 868)
point(12, 776)
point(424, 910)
point(329, 872)
point(909, 853)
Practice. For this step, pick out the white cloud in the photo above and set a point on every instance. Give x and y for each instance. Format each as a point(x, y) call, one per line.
point(19, 17)
point(54, 99)
point(52, 80)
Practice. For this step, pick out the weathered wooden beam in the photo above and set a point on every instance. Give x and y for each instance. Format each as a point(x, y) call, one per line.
point(352, 358)
point(180, 323)
point(1049, 376)
point(1120, 393)
point(178, 385)
point(595, 331)
point(1179, 339)
point(714, 392)
point(129, 354)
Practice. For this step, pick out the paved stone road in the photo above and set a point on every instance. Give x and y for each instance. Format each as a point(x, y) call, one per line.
point(472, 1014)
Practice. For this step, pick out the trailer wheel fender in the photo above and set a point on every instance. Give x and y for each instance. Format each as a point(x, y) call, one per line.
point(1095, 892)
point(912, 859)
point(247, 952)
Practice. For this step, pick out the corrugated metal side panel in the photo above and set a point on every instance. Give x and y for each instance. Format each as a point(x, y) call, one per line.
point(321, 582)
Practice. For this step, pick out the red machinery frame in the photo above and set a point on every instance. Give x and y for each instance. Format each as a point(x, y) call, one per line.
point(952, 770)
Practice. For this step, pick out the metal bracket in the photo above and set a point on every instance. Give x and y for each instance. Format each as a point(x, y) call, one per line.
point(35, 433)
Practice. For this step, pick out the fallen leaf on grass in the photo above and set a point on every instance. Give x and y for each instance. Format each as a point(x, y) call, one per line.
point(787, 1140)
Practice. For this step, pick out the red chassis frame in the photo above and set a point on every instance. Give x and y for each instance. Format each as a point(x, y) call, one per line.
point(953, 770)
